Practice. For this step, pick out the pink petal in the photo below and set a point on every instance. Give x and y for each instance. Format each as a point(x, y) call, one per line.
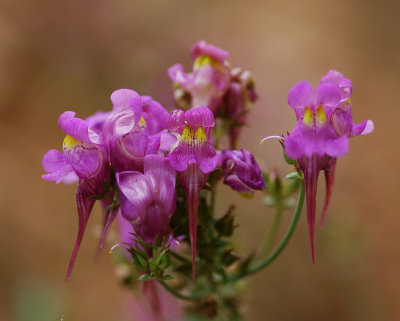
point(136, 195)
point(124, 99)
point(202, 48)
point(200, 116)
point(327, 95)
point(300, 96)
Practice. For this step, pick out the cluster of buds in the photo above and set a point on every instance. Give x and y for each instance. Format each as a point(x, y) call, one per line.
point(132, 157)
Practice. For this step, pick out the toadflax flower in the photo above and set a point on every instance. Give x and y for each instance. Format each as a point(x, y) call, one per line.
point(193, 157)
point(84, 158)
point(130, 129)
point(228, 92)
point(241, 171)
point(321, 135)
point(148, 200)
point(209, 80)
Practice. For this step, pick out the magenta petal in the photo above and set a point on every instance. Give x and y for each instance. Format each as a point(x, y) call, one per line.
point(342, 122)
point(124, 99)
point(344, 85)
point(96, 121)
point(55, 163)
point(85, 159)
point(364, 128)
point(327, 95)
point(207, 158)
point(300, 95)
point(77, 128)
point(154, 114)
point(177, 74)
point(329, 180)
point(84, 204)
point(202, 48)
point(176, 120)
point(53, 160)
point(162, 177)
point(200, 116)
point(332, 76)
point(123, 122)
point(136, 195)
point(181, 157)
point(334, 147)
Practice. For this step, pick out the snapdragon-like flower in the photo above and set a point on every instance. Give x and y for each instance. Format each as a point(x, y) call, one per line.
point(241, 171)
point(209, 80)
point(148, 200)
point(321, 135)
point(228, 92)
point(132, 129)
point(84, 158)
point(194, 157)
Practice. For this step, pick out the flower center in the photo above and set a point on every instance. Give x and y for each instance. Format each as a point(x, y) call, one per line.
point(319, 116)
point(197, 137)
point(70, 142)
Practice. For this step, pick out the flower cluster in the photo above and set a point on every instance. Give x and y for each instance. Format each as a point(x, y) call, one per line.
point(325, 124)
point(156, 171)
point(131, 157)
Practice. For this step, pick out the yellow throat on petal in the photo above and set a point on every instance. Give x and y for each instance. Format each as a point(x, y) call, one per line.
point(70, 142)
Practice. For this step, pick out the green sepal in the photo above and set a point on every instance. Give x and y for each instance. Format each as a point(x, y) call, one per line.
point(292, 175)
point(144, 277)
point(138, 260)
point(163, 259)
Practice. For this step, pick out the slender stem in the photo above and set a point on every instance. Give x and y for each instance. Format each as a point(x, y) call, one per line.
point(269, 259)
point(192, 297)
point(271, 235)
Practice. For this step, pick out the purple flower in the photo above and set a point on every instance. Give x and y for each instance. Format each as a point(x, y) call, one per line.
point(241, 171)
point(129, 129)
point(148, 200)
point(321, 135)
point(83, 158)
point(210, 78)
point(194, 158)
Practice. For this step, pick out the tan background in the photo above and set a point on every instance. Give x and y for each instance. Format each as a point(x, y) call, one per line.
point(61, 55)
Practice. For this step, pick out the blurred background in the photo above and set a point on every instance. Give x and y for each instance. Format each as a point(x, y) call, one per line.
point(70, 55)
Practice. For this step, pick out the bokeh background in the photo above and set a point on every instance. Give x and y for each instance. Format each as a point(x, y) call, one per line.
point(61, 55)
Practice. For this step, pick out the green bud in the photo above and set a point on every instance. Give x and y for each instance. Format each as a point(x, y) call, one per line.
point(138, 261)
point(163, 260)
point(292, 175)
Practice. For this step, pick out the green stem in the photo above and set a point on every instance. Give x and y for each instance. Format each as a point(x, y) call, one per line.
point(269, 259)
point(192, 297)
point(271, 235)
